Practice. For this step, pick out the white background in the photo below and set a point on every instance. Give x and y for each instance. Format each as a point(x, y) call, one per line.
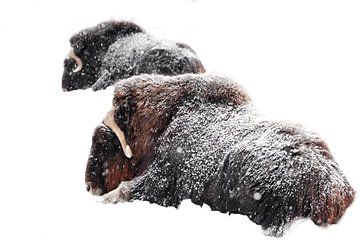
point(299, 60)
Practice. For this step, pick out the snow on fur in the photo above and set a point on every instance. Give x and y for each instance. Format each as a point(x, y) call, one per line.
point(114, 50)
point(142, 53)
point(215, 149)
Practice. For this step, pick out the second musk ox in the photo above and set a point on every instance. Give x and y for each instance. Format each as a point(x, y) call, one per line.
point(117, 50)
point(197, 136)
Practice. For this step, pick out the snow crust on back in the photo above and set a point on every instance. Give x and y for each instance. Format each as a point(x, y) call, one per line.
point(142, 53)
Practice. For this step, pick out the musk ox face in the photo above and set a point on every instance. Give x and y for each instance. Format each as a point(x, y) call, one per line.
point(88, 48)
point(196, 136)
point(107, 165)
point(111, 160)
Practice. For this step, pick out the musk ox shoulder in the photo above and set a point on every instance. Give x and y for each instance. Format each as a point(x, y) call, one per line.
point(198, 137)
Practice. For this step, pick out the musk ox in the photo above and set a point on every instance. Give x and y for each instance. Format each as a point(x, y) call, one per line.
point(198, 137)
point(117, 50)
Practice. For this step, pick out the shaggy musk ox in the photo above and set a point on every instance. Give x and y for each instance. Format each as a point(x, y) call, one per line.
point(117, 50)
point(197, 136)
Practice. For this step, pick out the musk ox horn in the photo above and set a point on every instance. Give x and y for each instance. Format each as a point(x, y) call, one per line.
point(110, 123)
point(79, 64)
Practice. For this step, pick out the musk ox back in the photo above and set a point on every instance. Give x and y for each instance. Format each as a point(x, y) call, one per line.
point(198, 137)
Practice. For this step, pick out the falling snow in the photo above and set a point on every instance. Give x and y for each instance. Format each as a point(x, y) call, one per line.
point(257, 196)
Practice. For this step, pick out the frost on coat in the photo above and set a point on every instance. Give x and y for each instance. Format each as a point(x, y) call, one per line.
point(198, 137)
point(116, 50)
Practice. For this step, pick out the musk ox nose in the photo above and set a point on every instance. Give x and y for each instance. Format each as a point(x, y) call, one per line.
point(94, 190)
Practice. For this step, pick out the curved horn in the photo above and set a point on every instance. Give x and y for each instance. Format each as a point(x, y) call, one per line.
point(110, 123)
point(78, 61)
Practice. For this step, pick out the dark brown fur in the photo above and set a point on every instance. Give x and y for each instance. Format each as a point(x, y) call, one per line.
point(145, 107)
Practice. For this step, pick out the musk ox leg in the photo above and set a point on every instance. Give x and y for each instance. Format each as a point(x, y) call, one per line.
point(105, 79)
point(121, 193)
point(156, 185)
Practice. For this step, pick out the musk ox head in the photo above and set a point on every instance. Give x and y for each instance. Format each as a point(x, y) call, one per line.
point(197, 136)
point(118, 50)
point(88, 48)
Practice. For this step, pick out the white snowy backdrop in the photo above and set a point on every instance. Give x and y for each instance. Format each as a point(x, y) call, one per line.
point(299, 60)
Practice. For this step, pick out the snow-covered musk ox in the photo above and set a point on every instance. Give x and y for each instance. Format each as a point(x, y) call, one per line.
point(198, 137)
point(117, 50)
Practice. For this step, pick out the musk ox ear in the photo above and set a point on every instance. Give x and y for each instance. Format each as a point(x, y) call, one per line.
point(88, 48)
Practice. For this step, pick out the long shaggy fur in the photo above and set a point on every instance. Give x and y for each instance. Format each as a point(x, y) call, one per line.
point(198, 137)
